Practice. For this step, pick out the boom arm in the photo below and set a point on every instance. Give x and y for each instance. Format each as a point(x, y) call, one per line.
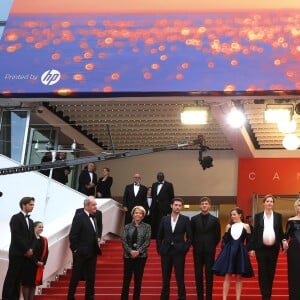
point(102, 157)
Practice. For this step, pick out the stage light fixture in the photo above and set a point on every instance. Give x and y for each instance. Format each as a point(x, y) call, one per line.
point(291, 142)
point(206, 162)
point(236, 118)
point(278, 113)
point(194, 115)
point(287, 126)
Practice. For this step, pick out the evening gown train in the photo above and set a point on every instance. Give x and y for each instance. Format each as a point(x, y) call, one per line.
point(293, 258)
point(234, 258)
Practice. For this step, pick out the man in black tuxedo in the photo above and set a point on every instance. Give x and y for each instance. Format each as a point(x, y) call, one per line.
point(265, 244)
point(85, 247)
point(174, 238)
point(88, 180)
point(22, 235)
point(206, 236)
point(98, 220)
point(162, 195)
point(135, 194)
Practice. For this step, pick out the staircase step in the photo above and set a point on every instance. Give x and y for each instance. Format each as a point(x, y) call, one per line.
point(109, 277)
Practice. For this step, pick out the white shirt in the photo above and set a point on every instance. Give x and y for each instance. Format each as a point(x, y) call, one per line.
point(91, 176)
point(269, 233)
point(174, 222)
point(149, 201)
point(136, 188)
point(159, 186)
point(91, 219)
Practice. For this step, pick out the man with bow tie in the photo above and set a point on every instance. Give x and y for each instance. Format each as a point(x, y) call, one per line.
point(85, 246)
point(135, 194)
point(22, 234)
point(162, 195)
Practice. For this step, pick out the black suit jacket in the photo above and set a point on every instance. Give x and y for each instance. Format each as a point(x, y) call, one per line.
point(103, 187)
point(98, 217)
point(21, 236)
point(180, 239)
point(205, 238)
point(84, 179)
point(83, 237)
point(257, 236)
point(130, 200)
point(164, 197)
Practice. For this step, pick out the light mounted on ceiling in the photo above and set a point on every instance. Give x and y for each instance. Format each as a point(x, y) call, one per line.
point(291, 142)
point(194, 115)
point(276, 113)
point(236, 118)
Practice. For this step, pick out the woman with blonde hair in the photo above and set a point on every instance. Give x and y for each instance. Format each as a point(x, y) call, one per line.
point(135, 239)
point(33, 270)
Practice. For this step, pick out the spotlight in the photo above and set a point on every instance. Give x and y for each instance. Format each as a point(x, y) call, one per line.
point(206, 162)
point(194, 115)
point(278, 113)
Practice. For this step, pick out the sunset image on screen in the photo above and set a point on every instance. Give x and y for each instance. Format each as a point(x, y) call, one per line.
point(151, 46)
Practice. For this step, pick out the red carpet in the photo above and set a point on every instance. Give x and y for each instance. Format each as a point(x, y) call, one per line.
point(110, 271)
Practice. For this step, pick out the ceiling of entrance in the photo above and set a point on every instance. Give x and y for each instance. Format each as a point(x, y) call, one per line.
point(137, 123)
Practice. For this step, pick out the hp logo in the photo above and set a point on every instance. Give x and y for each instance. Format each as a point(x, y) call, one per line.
point(50, 77)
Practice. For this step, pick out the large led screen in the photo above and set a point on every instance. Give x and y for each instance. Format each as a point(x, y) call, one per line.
point(94, 46)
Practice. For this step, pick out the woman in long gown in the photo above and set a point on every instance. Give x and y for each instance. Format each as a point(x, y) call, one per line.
point(292, 235)
point(234, 258)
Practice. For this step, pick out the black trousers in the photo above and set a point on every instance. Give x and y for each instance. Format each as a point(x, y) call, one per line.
point(84, 268)
point(12, 281)
point(203, 262)
point(136, 268)
point(266, 258)
point(168, 261)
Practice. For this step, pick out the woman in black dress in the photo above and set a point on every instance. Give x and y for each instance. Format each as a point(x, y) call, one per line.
point(33, 270)
point(292, 236)
point(234, 258)
point(104, 184)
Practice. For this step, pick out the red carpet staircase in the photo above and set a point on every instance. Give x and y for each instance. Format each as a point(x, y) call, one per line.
point(110, 271)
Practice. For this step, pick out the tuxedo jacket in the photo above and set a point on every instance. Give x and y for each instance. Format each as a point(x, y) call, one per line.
point(84, 179)
point(180, 239)
point(83, 237)
point(21, 236)
point(164, 197)
point(98, 217)
point(205, 238)
point(257, 236)
point(130, 200)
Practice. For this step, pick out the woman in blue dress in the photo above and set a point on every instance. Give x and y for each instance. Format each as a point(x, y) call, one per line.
point(234, 258)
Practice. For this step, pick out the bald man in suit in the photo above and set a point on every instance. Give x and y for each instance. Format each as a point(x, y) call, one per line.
point(135, 194)
point(85, 246)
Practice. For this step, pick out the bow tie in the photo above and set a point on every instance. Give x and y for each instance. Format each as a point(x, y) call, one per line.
point(91, 216)
point(137, 184)
point(27, 216)
point(160, 182)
